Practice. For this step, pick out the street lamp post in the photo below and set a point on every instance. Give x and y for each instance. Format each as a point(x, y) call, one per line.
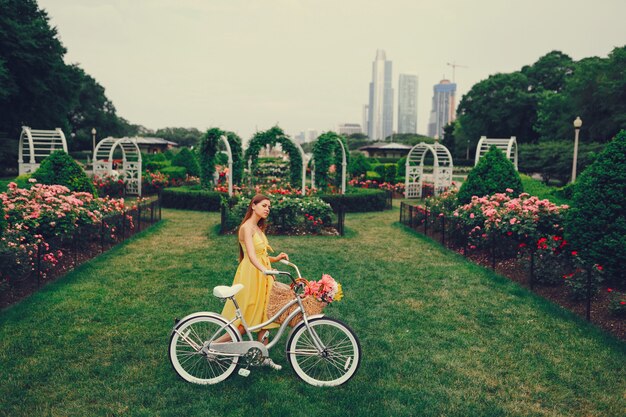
point(467, 150)
point(577, 124)
point(93, 138)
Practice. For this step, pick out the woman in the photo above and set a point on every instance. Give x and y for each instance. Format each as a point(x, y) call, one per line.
point(253, 262)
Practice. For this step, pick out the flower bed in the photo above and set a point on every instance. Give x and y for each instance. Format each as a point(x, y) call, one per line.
point(288, 215)
point(522, 237)
point(46, 226)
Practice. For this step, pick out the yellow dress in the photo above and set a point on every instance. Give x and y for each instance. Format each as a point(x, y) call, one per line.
point(254, 296)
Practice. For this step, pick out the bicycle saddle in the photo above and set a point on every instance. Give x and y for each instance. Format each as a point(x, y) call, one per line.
point(224, 291)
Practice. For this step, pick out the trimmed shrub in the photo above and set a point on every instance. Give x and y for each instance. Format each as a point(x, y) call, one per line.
point(373, 175)
point(359, 165)
point(401, 168)
point(493, 174)
point(596, 222)
point(60, 168)
point(156, 165)
point(175, 173)
point(186, 158)
point(357, 200)
point(192, 198)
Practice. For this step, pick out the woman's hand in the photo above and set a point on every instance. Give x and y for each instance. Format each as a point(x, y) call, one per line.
point(281, 256)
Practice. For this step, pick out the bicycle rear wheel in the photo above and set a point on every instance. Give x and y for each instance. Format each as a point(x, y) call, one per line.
point(189, 362)
point(335, 364)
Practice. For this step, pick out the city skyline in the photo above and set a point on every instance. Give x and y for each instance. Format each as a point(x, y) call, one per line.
point(407, 103)
point(244, 66)
point(380, 115)
point(443, 108)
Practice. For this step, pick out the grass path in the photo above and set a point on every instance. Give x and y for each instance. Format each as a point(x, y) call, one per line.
point(440, 336)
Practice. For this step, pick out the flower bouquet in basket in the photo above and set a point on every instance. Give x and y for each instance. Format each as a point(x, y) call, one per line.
point(316, 296)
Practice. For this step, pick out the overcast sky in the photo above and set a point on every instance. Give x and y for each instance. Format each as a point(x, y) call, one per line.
point(244, 65)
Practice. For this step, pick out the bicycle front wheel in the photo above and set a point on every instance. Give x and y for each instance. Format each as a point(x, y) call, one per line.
point(186, 355)
point(335, 364)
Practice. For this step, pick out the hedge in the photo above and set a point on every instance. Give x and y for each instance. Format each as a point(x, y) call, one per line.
point(357, 200)
point(174, 172)
point(192, 198)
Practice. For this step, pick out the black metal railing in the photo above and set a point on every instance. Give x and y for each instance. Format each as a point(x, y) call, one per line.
point(63, 253)
point(498, 251)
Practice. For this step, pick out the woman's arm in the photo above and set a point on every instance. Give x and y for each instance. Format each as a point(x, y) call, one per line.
point(280, 256)
point(249, 242)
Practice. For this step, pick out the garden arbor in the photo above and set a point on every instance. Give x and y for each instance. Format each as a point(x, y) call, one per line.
point(37, 145)
point(442, 169)
point(130, 170)
point(328, 145)
point(209, 148)
point(508, 146)
point(272, 137)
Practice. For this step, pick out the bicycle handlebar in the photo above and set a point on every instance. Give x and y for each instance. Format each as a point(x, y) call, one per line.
point(277, 272)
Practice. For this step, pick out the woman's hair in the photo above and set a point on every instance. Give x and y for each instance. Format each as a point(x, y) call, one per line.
point(262, 223)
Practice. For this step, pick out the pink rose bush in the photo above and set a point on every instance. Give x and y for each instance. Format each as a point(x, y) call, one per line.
point(524, 218)
point(35, 216)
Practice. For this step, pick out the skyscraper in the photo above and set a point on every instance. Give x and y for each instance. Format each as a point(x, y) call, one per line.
point(407, 104)
point(380, 116)
point(444, 107)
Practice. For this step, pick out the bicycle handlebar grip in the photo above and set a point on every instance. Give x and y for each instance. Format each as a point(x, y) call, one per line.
point(271, 272)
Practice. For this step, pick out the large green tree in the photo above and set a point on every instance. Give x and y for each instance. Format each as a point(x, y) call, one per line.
point(36, 86)
point(181, 135)
point(39, 90)
point(500, 106)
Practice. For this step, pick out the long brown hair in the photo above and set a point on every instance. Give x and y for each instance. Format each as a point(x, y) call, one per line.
point(262, 223)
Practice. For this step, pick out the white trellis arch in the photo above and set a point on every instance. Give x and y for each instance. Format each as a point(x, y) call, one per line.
point(229, 153)
point(343, 168)
point(130, 171)
point(508, 146)
point(37, 145)
point(442, 169)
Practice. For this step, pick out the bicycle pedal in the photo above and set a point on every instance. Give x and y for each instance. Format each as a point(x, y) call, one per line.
point(244, 372)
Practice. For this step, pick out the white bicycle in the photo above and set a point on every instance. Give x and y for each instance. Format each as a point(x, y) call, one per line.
point(321, 350)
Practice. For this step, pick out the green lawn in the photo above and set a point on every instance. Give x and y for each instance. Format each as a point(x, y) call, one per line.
point(440, 336)
point(541, 190)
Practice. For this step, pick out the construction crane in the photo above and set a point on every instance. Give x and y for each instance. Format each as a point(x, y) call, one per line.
point(454, 65)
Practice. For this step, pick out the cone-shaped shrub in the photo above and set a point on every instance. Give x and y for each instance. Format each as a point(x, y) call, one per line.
point(596, 222)
point(494, 173)
point(60, 168)
point(186, 158)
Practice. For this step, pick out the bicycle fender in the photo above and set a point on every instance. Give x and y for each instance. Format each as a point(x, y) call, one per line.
point(198, 314)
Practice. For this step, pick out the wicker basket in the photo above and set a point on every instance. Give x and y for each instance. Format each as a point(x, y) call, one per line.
point(281, 294)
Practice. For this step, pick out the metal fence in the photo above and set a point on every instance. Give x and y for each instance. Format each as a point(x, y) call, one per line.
point(499, 251)
point(85, 243)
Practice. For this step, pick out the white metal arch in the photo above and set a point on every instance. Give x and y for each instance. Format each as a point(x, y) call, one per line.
point(343, 168)
point(130, 171)
point(442, 169)
point(37, 145)
point(229, 153)
point(508, 146)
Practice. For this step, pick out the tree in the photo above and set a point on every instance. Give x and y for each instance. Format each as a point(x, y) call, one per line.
point(37, 88)
point(550, 72)
point(448, 137)
point(596, 222)
point(500, 106)
point(91, 108)
point(186, 158)
point(494, 173)
point(181, 135)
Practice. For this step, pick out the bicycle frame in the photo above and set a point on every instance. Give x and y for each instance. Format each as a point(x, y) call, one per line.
point(242, 347)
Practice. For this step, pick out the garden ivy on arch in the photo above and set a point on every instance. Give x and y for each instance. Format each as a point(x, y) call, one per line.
point(208, 150)
point(271, 137)
point(326, 152)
